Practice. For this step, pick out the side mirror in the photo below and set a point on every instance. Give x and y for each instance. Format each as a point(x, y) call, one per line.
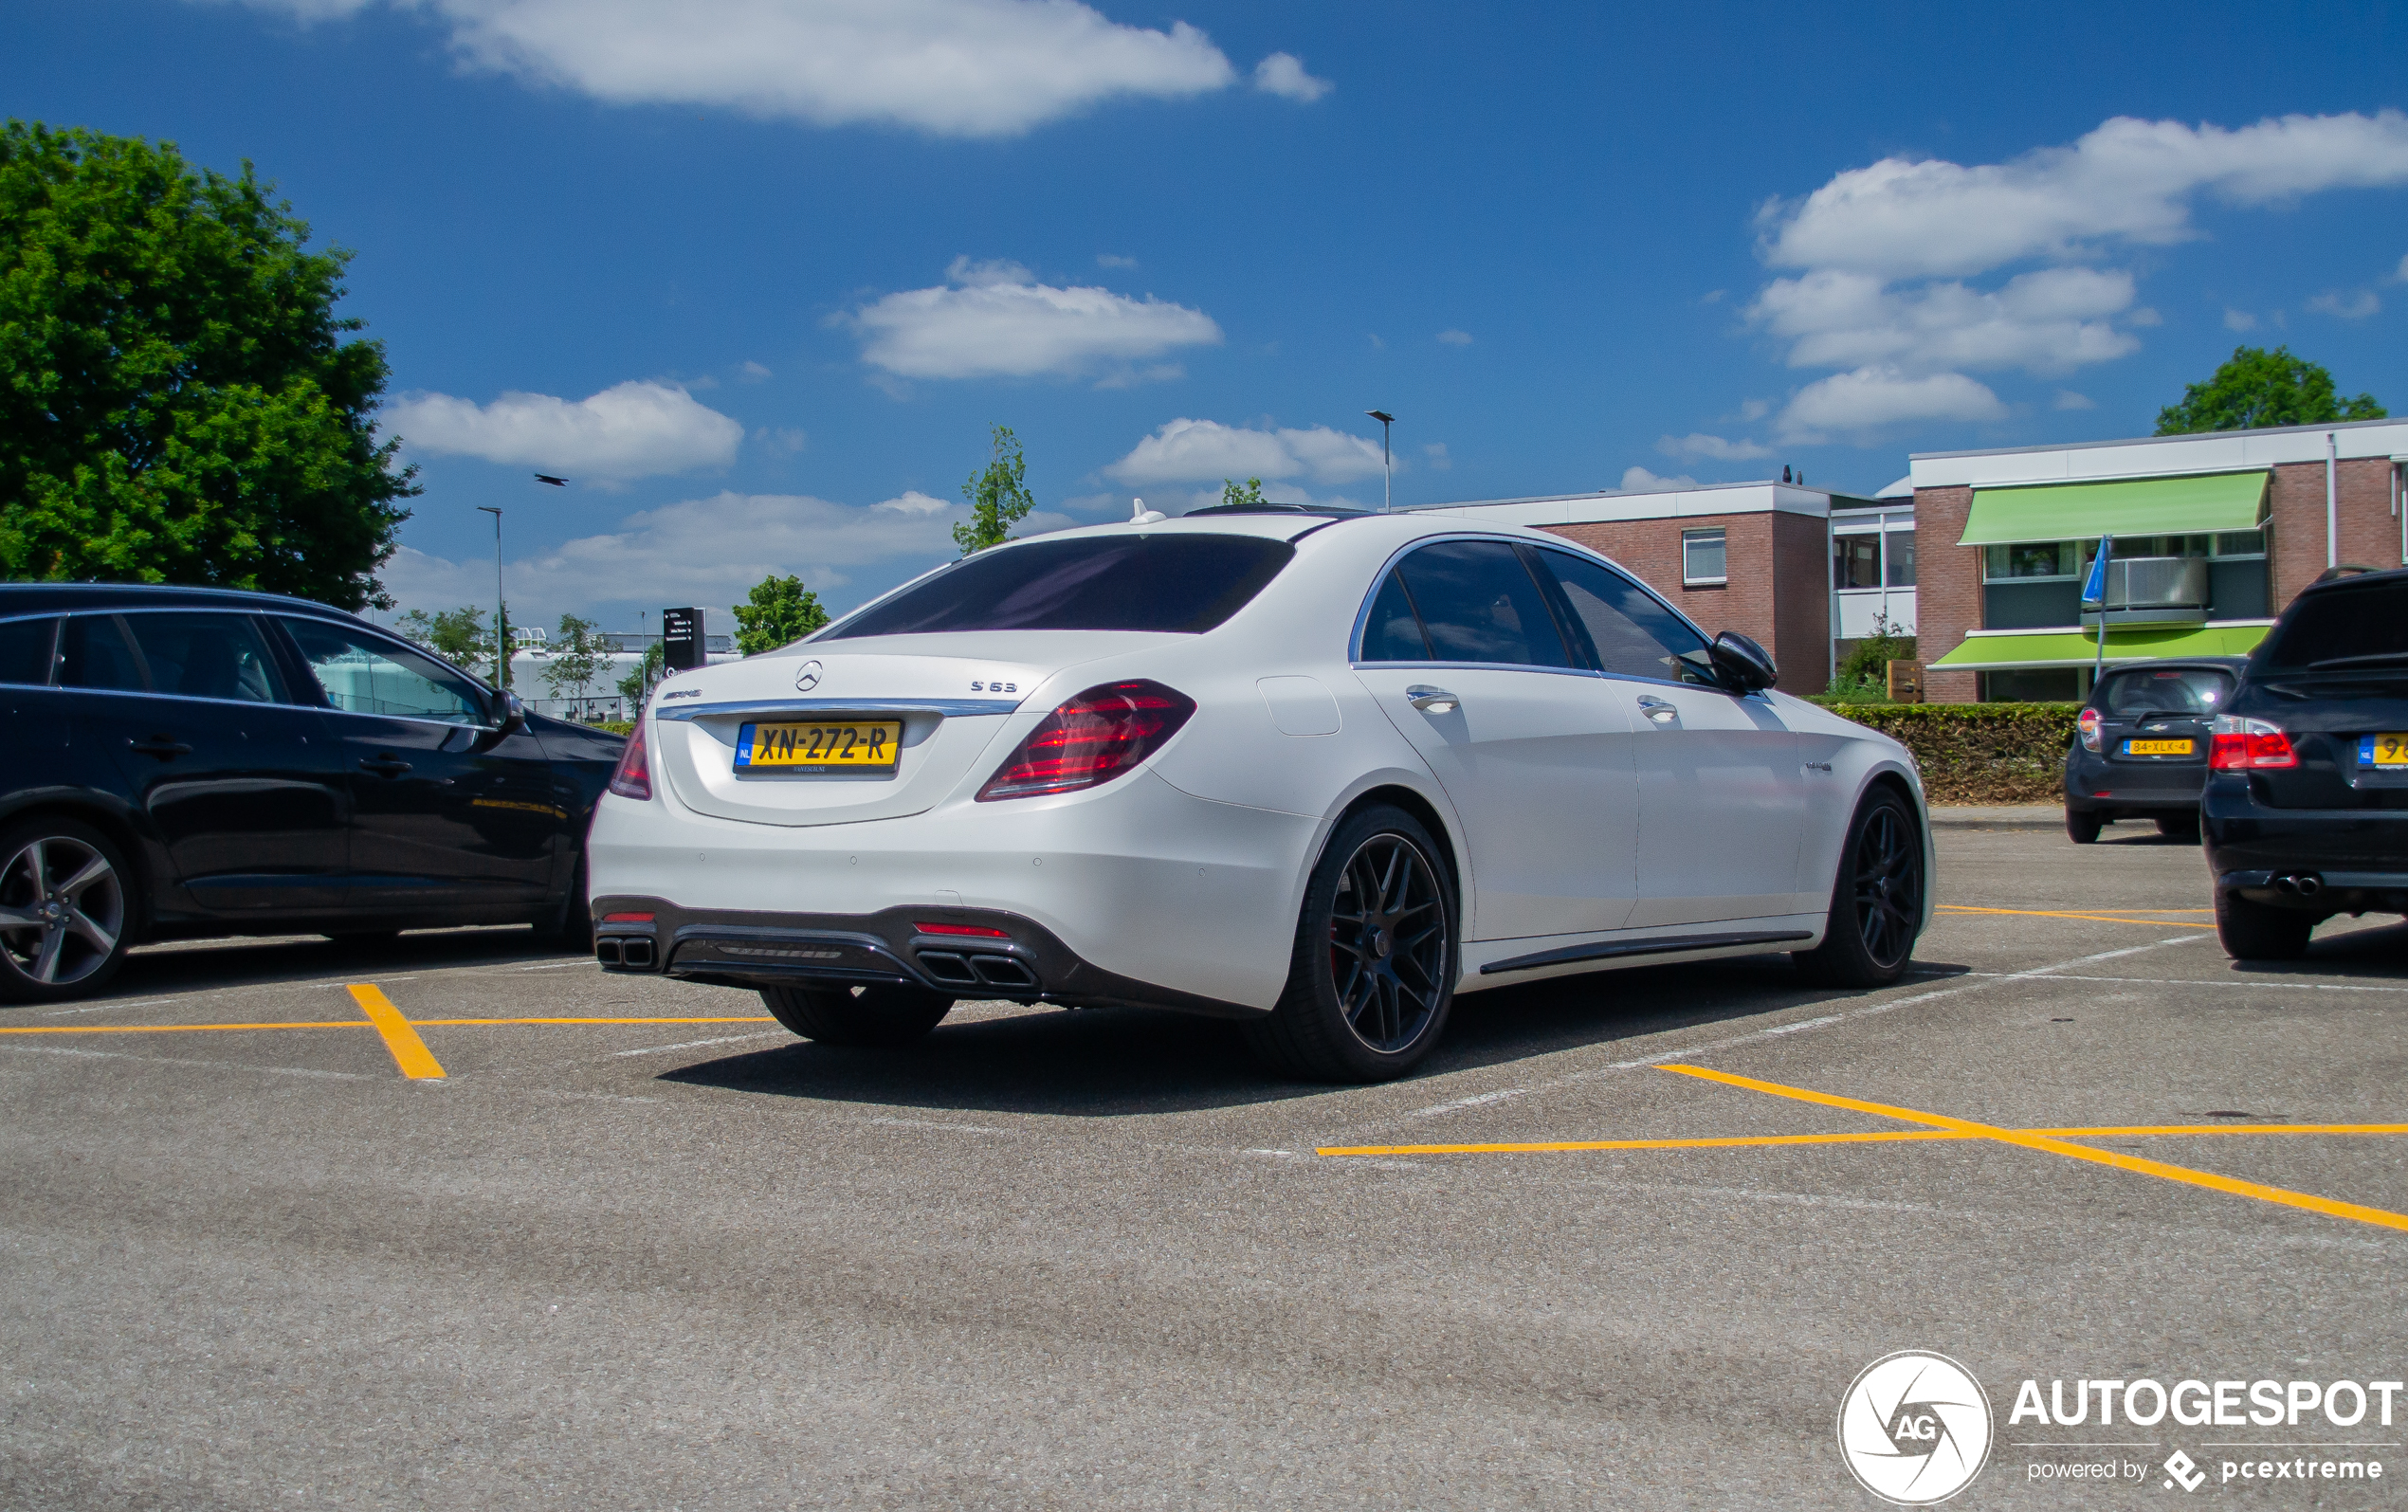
point(1742, 664)
point(509, 715)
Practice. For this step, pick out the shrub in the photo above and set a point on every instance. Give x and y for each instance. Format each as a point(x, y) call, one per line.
point(1979, 752)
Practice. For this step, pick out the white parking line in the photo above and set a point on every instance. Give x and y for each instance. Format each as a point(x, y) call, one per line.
point(696, 1044)
point(2295, 986)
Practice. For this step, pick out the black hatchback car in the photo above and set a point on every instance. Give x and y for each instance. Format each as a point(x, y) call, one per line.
point(2142, 748)
point(2307, 799)
point(193, 761)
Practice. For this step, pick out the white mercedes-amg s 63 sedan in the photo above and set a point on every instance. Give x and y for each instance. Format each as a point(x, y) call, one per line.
point(1313, 771)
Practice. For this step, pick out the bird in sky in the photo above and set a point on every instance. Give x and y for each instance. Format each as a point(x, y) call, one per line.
point(547, 478)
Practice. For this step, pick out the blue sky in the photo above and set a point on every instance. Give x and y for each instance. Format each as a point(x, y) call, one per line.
point(762, 272)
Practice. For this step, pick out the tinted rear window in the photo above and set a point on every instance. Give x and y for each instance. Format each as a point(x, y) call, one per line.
point(2163, 690)
point(2352, 623)
point(24, 650)
point(1184, 584)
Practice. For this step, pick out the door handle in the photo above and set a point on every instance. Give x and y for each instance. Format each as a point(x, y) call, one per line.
point(384, 766)
point(166, 748)
point(1432, 701)
point(1663, 711)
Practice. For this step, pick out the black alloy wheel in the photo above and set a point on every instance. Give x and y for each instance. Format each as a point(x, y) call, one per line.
point(1876, 907)
point(63, 908)
point(1374, 970)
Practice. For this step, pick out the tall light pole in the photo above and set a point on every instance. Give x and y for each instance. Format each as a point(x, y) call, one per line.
point(1385, 420)
point(501, 610)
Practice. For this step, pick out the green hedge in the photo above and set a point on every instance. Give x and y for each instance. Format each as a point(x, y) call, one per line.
point(1980, 752)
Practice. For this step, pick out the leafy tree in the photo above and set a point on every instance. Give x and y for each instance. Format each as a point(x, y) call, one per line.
point(780, 612)
point(457, 635)
point(637, 686)
point(2256, 388)
point(577, 657)
point(1863, 675)
point(999, 495)
point(1249, 492)
point(177, 402)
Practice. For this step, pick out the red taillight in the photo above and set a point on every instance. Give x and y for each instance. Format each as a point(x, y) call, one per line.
point(2239, 745)
point(960, 929)
point(2088, 724)
point(627, 919)
point(1093, 739)
point(633, 779)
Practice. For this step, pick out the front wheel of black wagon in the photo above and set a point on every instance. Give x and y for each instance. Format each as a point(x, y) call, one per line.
point(1876, 901)
point(1374, 970)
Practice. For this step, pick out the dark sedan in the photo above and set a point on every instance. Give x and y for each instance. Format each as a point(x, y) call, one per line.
point(192, 761)
point(2306, 799)
point(2142, 753)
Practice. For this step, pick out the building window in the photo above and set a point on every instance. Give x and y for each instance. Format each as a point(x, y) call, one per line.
point(1899, 546)
point(2071, 558)
point(1703, 561)
point(1855, 561)
point(2050, 558)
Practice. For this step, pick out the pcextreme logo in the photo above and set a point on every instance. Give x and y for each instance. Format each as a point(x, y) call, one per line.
point(1915, 1428)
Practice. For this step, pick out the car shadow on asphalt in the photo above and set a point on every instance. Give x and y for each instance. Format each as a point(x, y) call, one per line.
point(181, 967)
point(2381, 952)
point(1119, 1063)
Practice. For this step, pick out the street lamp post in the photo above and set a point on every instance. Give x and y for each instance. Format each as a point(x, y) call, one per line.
point(501, 610)
point(1385, 420)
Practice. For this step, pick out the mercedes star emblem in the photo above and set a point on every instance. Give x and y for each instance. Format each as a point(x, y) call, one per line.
point(807, 676)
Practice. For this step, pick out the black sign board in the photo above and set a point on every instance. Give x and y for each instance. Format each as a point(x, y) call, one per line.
point(682, 639)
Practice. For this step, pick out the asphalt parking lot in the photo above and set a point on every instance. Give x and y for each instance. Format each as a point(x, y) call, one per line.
point(530, 1236)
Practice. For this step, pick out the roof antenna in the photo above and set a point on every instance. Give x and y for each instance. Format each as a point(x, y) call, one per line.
point(1139, 515)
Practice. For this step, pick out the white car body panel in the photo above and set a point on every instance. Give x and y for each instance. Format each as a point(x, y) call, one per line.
point(1573, 816)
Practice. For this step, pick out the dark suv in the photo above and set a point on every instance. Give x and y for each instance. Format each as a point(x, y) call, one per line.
point(191, 761)
point(2141, 751)
point(2307, 799)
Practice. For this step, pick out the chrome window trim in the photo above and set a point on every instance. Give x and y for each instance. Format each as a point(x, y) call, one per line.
point(950, 708)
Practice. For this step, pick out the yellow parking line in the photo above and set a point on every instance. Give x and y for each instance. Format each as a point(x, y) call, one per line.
point(2162, 1130)
point(2055, 1146)
point(2094, 918)
point(410, 1052)
point(1886, 1137)
point(761, 1018)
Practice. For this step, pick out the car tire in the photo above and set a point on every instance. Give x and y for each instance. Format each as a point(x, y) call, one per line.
point(857, 1016)
point(2260, 931)
point(1876, 899)
point(2082, 826)
point(1369, 987)
point(2183, 827)
point(572, 928)
point(66, 910)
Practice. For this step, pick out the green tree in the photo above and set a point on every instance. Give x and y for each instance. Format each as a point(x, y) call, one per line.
point(781, 612)
point(1248, 493)
point(457, 635)
point(177, 402)
point(2256, 388)
point(999, 495)
point(637, 686)
point(577, 657)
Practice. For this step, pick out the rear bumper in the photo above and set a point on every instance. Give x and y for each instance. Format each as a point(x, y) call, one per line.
point(2094, 784)
point(2331, 860)
point(1025, 962)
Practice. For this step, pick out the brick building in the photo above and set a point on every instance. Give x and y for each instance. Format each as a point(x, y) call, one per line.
point(1753, 557)
point(2213, 535)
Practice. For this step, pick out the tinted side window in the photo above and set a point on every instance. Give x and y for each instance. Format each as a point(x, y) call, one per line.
point(94, 653)
point(1635, 635)
point(1479, 604)
point(1180, 583)
point(1393, 632)
point(205, 656)
point(2165, 690)
point(2366, 623)
point(25, 649)
point(363, 675)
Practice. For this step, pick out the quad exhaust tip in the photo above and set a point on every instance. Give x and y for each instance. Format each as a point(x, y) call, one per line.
point(622, 952)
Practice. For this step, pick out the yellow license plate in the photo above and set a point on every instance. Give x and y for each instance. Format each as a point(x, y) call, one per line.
point(2384, 750)
point(849, 746)
point(2156, 748)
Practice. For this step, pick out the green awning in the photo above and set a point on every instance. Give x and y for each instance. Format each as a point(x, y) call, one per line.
point(2139, 506)
point(2081, 648)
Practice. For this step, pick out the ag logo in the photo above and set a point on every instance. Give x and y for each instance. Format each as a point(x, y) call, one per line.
point(807, 676)
point(1915, 1428)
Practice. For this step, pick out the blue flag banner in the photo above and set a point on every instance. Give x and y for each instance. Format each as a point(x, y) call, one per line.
point(2094, 587)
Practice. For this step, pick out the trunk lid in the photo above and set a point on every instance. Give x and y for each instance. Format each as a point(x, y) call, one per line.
point(2332, 722)
point(953, 695)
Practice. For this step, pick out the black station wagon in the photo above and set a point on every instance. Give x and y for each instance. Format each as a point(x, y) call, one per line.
point(192, 761)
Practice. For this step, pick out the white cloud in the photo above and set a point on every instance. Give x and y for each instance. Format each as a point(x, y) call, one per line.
point(911, 504)
point(632, 430)
point(2347, 306)
point(1114, 260)
point(1697, 444)
point(2048, 321)
point(1640, 480)
point(1200, 450)
point(788, 439)
point(2401, 271)
point(1871, 399)
point(2239, 320)
point(993, 320)
point(1282, 74)
point(2128, 181)
point(2068, 399)
point(949, 67)
point(1455, 338)
point(754, 372)
point(1437, 453)
point(1754, 409)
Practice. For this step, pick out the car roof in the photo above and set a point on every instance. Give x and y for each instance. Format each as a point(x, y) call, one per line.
point(57, 598)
